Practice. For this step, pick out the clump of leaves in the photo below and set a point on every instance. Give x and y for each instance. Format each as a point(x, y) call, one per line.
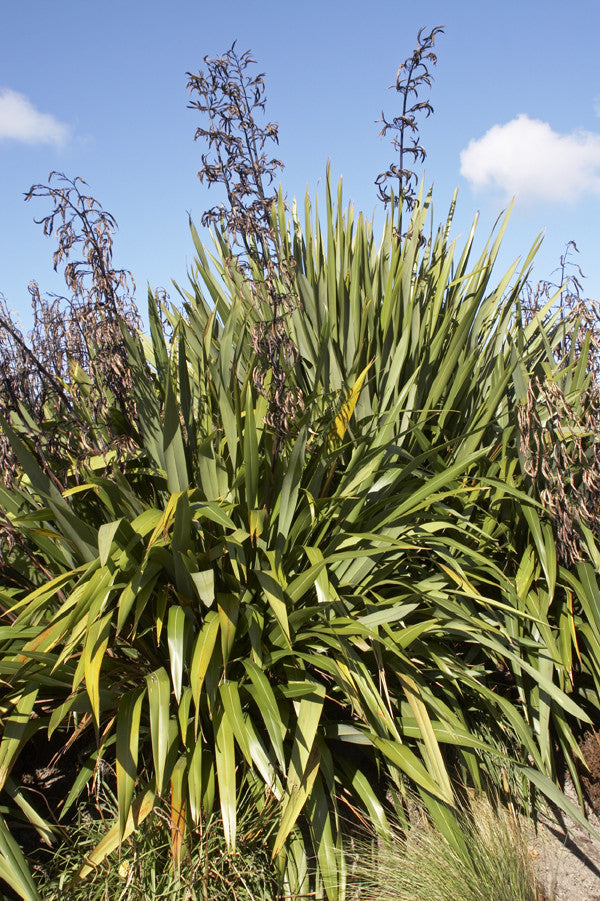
point(412, 75)
point(237, 159)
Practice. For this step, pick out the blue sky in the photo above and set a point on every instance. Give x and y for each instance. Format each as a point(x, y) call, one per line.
point(99, 91)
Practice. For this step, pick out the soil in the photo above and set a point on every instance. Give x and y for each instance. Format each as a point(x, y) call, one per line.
point(568, 856)
point(590, 747)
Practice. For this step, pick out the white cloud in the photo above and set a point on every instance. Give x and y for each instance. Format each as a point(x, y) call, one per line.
point(527, 158)
point(20, 121)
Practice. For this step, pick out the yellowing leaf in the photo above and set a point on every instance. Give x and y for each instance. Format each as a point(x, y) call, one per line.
point(178, 805)
point(296, 800)
point(435, 759)
point(203, 650)
point(128, 733)
point(93, 655)
point(344, 416)
point(226, 777)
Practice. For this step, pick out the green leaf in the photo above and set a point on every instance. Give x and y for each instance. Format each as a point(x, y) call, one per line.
point(230, 697)
point(330, 860)
point(228, 606)
point(362, 788)
point(296, 799)
point(14, 869)
point(405, 760)
point(96, 643)
point(161, 356)
point(178, 809)
point(226, 777)
point(106, 534)
point(310, 709)
point(545, 544)
point(141, 808)
point(291, 486)
point(159, 690)
point(298, 587)
point(215, 513)
point(15, 726)
point(555, 796)
point(267, 706)
point(84, 776)
point(173, 446)
point(128, 736)
point(195, 782)
point(176, 635)
point(274, 595)
point(205, 585)
point(77, 532)
point(45, 831)
point(251, 454)
point(146, 400)
point(203, 651)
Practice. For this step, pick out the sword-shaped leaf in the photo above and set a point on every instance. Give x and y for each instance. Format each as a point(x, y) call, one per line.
point(159, 691)
point(128, 736)
point(226, 776)
point(176, 637)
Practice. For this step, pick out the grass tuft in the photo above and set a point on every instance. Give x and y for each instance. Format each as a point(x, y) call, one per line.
point(420, 865)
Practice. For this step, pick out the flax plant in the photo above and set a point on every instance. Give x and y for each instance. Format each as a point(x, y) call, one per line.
point(308, 628)
point(296, 596)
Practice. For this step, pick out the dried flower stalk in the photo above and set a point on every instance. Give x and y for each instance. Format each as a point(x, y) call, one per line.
point(412, 74)
point(559, 434)
point(560, 445)
point(71, 371)
point(230, 98)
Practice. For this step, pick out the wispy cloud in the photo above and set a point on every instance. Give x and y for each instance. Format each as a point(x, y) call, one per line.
point(21, 121)
point(527, 158)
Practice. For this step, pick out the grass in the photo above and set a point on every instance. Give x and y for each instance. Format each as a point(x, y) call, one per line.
point(144, 867)
point(495, 863)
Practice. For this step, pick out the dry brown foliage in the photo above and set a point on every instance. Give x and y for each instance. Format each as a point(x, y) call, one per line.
point(560, 432)
point(560, 444)
point(68, 377)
